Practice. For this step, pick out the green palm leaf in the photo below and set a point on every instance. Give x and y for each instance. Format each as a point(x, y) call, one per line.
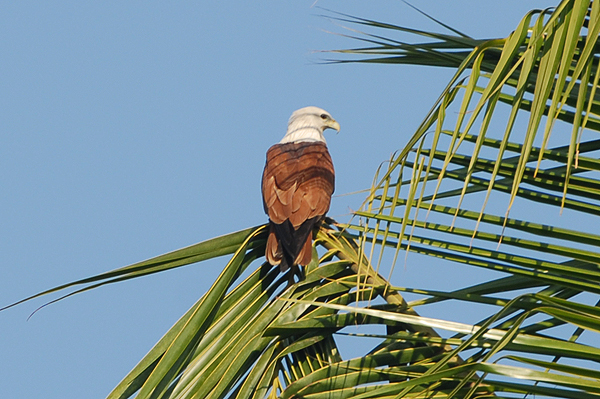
point(515, 126)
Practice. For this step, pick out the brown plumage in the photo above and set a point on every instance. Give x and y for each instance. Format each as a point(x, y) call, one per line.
point(297, 185)
point(298, 181)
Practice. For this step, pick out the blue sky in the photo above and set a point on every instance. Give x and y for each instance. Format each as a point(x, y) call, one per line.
point(130, 129)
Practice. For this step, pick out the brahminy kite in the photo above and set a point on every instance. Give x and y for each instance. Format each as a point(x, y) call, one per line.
point(297, 184)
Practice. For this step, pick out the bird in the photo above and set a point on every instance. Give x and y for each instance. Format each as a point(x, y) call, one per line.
point(297, 184)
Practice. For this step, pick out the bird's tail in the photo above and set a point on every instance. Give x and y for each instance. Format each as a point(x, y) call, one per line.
point(305, 255)
point(275, 253)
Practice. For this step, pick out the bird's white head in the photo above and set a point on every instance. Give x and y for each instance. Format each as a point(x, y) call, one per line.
point(308, 124)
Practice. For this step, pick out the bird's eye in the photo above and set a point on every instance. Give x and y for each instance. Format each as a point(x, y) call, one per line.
point(324, 116)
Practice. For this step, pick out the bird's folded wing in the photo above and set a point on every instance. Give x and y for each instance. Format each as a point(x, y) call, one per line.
point(298, 182)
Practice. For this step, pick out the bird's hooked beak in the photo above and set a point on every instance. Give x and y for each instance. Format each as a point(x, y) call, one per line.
point(332, 124)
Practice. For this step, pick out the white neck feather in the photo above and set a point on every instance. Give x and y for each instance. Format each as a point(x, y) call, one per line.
point(305, 128)
point(303, 134)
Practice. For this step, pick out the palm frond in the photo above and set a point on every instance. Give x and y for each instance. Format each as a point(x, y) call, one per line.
point(506, 133)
